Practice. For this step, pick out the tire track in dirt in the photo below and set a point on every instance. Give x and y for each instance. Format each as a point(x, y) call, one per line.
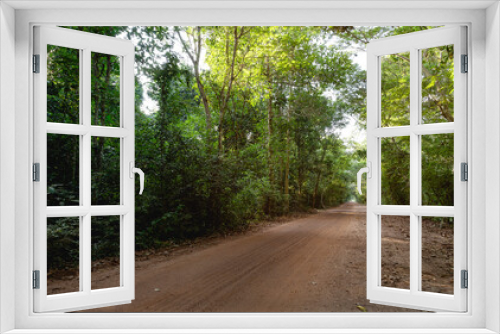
point(278, 274)
point(312, 264)
point(225, 277)
point(296, 278)
point(228, 276)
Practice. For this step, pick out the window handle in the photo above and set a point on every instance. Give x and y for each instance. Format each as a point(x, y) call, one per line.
point(368, 171)
point(134, 170)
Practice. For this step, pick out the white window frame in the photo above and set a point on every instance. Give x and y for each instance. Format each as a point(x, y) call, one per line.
point(85, 44)
point(415, 297)
point(483, 210)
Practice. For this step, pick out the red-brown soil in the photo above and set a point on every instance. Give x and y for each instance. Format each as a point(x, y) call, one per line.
point(312, 264)
point(437, 254)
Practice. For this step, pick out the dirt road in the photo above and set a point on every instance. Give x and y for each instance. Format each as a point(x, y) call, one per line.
point(313, 264)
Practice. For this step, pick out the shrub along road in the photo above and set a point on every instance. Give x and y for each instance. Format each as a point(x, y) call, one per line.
point(312, 264)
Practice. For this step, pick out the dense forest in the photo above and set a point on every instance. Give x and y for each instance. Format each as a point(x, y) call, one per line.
point(246, 128)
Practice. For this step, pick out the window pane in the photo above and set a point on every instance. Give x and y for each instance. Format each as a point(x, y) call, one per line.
point(437, 254)
point(395, 251)
point(63, 170)
point(63, 85)
point(437, 84)
point(395, 160)
point(63, 255)
point(105, 252)
point(437, 169)
point(105, 171)
point(105, 89)
point(395, 89)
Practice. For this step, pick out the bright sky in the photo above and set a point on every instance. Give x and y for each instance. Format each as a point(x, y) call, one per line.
point(351, 130)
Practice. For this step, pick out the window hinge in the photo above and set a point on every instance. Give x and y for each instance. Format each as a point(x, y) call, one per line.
point(36, 63)
point(36, 172)
point(36, 279)
point(465, 64)
point(464, 173)
point(465, 279)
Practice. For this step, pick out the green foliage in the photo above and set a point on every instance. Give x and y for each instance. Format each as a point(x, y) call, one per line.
point(395, 161)
point(63, 85)
point(105, 81)
point(395, 89)
point(437, 106)
point(63, 242)
point(62, 170)
point(437, 169)
point(105, 237)
point(248, 204)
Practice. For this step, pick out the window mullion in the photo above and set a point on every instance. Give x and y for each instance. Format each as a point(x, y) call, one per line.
point(86, 166)
point(81, 183)
point(414, 171)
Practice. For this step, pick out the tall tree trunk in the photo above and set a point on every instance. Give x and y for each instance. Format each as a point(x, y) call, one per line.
point(194, 56)
point(270, 118)
point(99, 115)
point(163, 153)
point(300, 174)
point(318, 177)
point(287, 164)
point(204, 99)
point(225, 96)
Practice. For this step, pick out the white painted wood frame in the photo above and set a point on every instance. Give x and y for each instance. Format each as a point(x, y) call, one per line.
point(86, 43)
point(415, 297)
point(7, 167)
point(16, 249)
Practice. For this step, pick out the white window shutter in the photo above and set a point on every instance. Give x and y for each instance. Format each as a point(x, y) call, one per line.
point(414, 297)
point(86, 297)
